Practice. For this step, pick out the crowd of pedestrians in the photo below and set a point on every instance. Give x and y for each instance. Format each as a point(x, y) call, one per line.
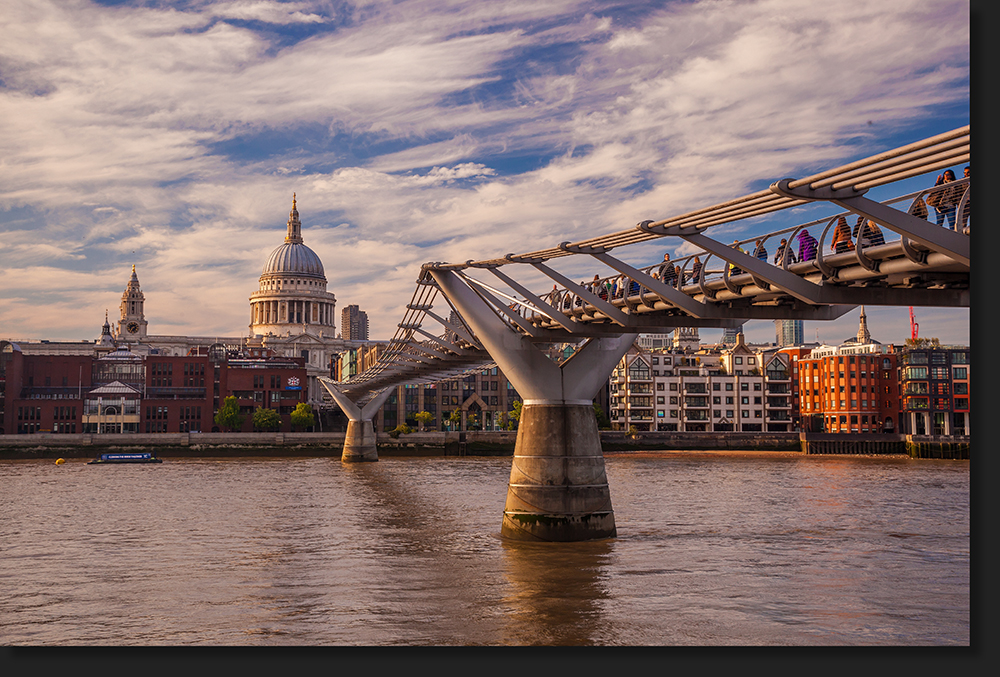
point(942, 198)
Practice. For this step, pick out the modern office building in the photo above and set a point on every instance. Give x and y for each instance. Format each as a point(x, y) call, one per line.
point(788, 332)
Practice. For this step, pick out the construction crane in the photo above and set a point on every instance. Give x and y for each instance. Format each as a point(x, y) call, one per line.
point(914, 327)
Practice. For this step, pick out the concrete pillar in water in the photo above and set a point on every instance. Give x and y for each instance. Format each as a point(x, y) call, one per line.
point(360, 444)
point(558, 489)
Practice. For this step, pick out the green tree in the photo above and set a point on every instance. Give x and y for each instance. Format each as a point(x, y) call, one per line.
point(401, 429)
point(424, 418)
point(603, 422)
point(455, 417)
point(514, 415)
point(266, 419)
point(302, 416)
point(229, 415)
point(515, 410)
point(472, 421)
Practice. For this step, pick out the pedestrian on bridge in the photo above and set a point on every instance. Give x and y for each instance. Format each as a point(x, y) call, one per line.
point(668, 271)
point(841, 241)
point(807, 246)
point(919, 208)
point(733, 268)
point(696, 269)
point(967, 209)
point(779, 256)
point(666, 266)
point(871, 235)
point(761, 251)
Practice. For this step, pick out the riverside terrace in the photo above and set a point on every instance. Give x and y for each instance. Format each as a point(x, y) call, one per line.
point(558, 489)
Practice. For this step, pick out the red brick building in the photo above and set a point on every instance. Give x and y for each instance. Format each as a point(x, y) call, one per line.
point(118, 391)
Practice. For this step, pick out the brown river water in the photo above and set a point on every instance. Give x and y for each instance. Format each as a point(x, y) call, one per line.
point(712, 550)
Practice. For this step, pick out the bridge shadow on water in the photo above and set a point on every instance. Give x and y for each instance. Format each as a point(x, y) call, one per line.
point(448, 578)
point(556, 592)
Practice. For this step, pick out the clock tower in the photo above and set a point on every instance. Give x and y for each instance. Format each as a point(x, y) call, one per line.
point(132, 324)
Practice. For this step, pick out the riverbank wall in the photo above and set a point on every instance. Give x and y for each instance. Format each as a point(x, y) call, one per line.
point(472, 443)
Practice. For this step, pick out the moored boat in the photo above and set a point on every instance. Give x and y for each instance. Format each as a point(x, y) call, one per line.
point(123, 457)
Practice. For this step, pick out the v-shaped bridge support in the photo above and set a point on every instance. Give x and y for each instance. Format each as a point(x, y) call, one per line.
point(360, 443)
point(558, 489)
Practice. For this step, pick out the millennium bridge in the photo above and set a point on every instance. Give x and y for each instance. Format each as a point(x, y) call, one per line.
point(558, 489)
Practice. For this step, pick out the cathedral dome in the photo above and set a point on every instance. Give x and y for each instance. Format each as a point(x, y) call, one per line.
point(294, 258)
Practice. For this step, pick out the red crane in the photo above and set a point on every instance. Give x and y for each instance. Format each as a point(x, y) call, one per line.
point(914, 327)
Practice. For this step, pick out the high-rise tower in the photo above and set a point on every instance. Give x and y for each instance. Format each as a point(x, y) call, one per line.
point(353, 324)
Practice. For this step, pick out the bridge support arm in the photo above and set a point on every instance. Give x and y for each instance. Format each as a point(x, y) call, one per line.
point(360, 443)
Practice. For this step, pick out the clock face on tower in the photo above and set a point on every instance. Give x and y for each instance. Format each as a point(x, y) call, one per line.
point(132, 327)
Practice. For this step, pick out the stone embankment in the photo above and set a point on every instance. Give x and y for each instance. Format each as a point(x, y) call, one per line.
point(474, 443)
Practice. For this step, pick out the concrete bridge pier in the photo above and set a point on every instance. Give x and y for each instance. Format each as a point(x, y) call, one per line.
point(558, 488)
point(360, 444)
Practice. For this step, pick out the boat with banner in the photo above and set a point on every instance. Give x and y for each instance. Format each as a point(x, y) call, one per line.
point(126, 457)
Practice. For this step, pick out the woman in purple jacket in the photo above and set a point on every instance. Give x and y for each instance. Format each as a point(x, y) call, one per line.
point(807, 246)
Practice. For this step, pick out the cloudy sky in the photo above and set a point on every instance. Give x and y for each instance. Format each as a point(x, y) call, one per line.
point(171, 135)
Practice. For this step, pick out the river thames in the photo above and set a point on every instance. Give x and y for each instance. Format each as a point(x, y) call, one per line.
point(712, 550)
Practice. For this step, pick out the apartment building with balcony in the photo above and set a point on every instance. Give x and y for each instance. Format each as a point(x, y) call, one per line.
point(935, 390)
point(713, 389)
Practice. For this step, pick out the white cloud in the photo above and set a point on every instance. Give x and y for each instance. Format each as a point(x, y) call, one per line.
point(112, 116)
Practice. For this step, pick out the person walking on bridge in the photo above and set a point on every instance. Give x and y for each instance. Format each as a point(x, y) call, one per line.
point(779, 256)
point(696, 269)
point(841, 241)
point(967, 208)
point(807, 246)
point(666, 270)
point(733, 268)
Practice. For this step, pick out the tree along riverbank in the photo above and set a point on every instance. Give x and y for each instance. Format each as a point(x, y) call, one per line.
point(472, 443)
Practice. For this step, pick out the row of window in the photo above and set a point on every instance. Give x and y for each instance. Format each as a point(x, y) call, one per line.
point(938, 373)
point(161, 413)
point(936, 357)
point(961, 403)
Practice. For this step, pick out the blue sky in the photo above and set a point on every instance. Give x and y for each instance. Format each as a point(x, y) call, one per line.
point(171, 135)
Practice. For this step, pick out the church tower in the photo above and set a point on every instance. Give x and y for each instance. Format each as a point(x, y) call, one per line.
point(864, 336)
point(132, 324)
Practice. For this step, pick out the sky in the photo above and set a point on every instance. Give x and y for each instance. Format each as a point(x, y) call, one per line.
point(172, 135)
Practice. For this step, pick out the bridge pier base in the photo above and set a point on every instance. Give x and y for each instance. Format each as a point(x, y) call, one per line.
point(360, 443)
point(558, 488)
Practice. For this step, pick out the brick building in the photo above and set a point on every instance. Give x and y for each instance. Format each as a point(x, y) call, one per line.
point(119, 391)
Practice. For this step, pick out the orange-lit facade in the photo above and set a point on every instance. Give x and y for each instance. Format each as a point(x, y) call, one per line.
point(851, 389)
